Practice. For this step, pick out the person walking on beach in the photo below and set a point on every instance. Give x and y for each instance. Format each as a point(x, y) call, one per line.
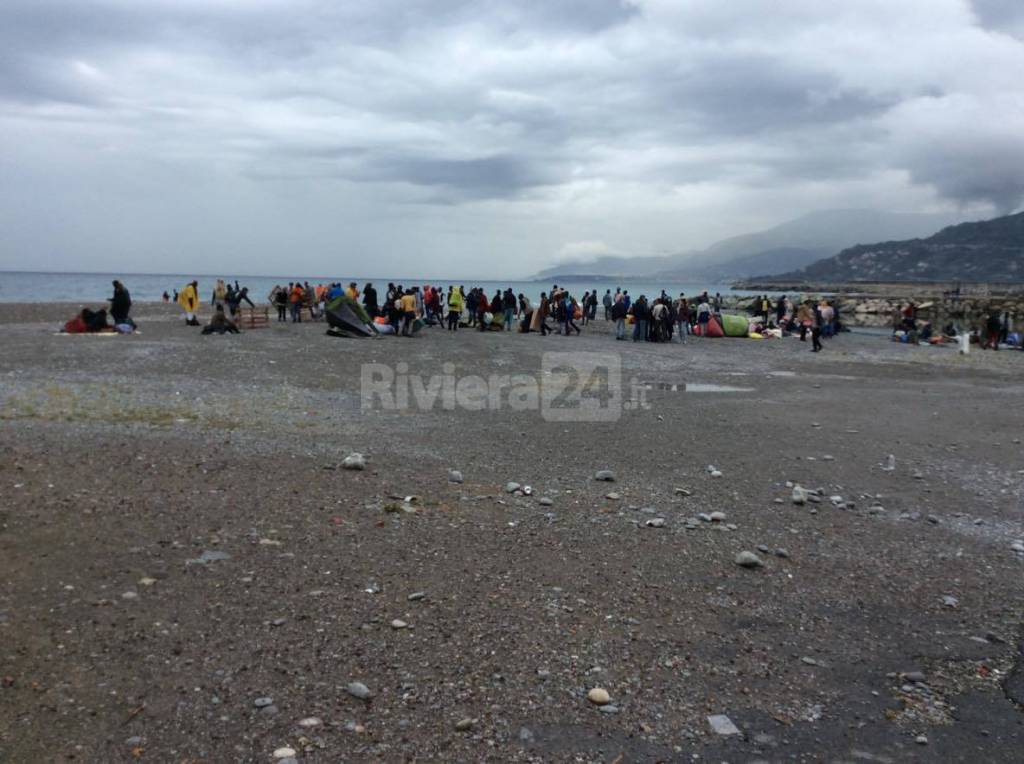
point(188, 299)
point(570, 306)
point(608, 302)
point(540, 316)
point(816, 322)
point(120, 304)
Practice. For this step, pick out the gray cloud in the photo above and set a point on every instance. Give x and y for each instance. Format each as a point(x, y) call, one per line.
point(642, 126)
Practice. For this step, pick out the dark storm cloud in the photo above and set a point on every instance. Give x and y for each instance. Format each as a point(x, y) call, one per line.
point(1001, 15)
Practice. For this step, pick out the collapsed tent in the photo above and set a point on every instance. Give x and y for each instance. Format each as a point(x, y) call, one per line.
point(711, 329)
point(348, 319)
point(735, 326)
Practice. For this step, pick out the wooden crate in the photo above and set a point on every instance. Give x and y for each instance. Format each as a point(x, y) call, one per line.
point(253, 318)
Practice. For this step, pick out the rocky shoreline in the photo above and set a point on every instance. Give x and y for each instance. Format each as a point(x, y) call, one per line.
point(862, 304)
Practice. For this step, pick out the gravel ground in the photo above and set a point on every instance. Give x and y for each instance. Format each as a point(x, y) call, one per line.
point(188, 574)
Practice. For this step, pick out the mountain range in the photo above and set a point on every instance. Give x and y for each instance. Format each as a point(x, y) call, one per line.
point(787, 247)
point(990, 250)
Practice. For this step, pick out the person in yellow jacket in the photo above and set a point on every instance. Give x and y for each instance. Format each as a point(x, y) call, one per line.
point(455, 306)
point(408, 302)
point(188, 299)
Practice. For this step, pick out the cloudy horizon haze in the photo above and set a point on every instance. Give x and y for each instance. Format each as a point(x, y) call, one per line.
point(490, 139)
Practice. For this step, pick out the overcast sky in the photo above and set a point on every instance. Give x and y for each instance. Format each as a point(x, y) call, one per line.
point(485, 137)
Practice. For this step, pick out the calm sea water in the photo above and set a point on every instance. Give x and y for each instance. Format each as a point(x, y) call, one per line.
point(95, 287)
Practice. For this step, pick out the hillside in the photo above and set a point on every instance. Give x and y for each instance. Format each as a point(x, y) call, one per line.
point(790, 245)
point(990, 250)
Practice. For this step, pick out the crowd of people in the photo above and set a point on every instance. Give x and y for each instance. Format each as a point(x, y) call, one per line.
point(403, 310)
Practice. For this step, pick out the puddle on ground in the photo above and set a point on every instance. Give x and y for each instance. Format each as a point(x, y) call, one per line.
point(696, 387)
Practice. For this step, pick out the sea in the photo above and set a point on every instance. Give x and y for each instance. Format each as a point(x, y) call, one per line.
point(86, 288)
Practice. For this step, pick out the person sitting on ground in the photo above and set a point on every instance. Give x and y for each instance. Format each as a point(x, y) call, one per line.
point(220, 324)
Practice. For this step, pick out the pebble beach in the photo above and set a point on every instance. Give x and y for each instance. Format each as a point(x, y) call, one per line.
point(212, 550)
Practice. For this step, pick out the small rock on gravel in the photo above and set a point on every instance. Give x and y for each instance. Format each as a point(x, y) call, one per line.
point(717, 517)
point(310, 721)
point(416, 596)
point(512, 487)
point(722, 725)
point(454, 476)
point(545, 501)
point(354, 461)
point(599, 696)
point(263, 702)
point(399, 624)
point(358, 690)
point(606, 475)
point(657, 522)
point(284, 753)
point(465, 724)
point(748, 560)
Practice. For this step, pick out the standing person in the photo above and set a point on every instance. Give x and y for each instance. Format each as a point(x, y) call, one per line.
point(510, 304)
point(120, 304)
point(408, 304)
point(188, 299)
point(279, 297)
point(586, 307)
point(352, 291)
point(370, 300)
point(539, 321)
point(683, 317)
point(766, 307)
point(220, 293)
point(816, 322)
point(608, 301)
point(718, 303)
point(993, 328)
point(780, 310)
point(483, 307)
point(295, 298)
point(618, 314)
point(570, 306)
point(1004, 330)
point(455, 305)
point(593, 305)
point(166, 297)
point(472, 300)
point(805, 318)
point(641, 315)
point(703, 315)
